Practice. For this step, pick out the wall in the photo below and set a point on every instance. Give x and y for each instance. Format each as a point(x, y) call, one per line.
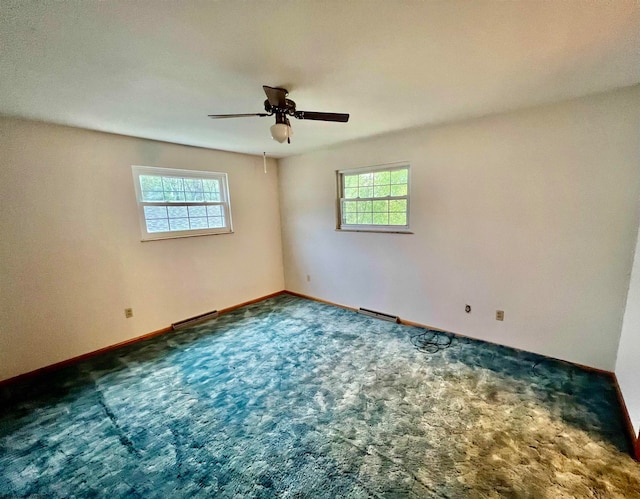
point(71, 258)
point(532, 212)
point(628, 363)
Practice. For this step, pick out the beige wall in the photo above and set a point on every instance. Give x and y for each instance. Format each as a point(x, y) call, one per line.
point(70, 253)
point(532, 212)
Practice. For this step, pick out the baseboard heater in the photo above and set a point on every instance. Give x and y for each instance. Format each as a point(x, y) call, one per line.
point(195, 320)
point(378, 315)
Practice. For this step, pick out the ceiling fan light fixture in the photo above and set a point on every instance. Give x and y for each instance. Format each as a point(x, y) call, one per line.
point(281, 132)
point(278, 106)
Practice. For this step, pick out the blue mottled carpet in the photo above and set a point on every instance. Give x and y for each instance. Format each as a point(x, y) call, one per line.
point(293, 398)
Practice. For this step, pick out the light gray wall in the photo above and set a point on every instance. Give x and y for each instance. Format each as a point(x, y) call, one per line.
point(532, 212)
point(71, 258)
point(628, 364)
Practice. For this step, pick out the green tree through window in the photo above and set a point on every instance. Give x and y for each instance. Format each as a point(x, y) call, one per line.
point(177, 203)
point(374, 198)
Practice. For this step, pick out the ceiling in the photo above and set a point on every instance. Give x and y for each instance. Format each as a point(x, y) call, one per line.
point(155, 69)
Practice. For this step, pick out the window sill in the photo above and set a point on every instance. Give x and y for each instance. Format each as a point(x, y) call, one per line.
point(164, 238)
point(376, 231)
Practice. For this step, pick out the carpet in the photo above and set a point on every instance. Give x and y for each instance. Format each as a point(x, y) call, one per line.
point(294, 398)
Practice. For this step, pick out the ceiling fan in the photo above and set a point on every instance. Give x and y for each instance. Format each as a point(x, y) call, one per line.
point(277, 104)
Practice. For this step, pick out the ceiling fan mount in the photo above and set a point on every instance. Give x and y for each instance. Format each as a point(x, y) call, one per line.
point(277, 102)
point(279, 106)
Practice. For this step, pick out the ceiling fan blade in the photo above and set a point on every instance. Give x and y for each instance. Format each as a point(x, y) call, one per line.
point(277, 97)
point(218, 116)
point(312, 115)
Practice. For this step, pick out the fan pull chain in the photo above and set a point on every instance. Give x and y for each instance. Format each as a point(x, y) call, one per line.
point(264, 161)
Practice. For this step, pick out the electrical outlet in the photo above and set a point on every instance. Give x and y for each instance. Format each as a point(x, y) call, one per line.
point(308, 278)
point(499, 315)
point(128, 313)
point(467, 309)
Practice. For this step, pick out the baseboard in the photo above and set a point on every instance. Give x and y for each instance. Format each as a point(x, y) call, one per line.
point(427, 326)
point(250, 302)
point(74, 360)
point(320, 300)
point(631, 432)
point(633, 438)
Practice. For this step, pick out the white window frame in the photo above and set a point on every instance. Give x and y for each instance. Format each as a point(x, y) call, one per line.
point(403, 229)
point(222, 178)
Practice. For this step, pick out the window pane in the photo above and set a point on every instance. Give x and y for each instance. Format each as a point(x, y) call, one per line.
point(198, 223)
point(174, 196)
point(172, 184)
point(381, 206)
point(214, 211)
point(177, 211)
point(364, 206)
point(151, 186)
point(215, 222)
point(158, 225)
point(212, 190)
point(179, 223)
point(398, 205)
point(193, 185)
point(153, 195)
point(365, 218)
point(155, 212)
point(381, 178)
point(350, 206)
point(400, 176)
point(351, 192)
point(194, 196)
point(212, 196)
point(197, 211)
point(366, 198)
point(381, 219)
point(397, 219)
point(365, 179)
point(210, 185)
point(163, 194)
point(381, 191)
point(351, 181)
point(151, 182)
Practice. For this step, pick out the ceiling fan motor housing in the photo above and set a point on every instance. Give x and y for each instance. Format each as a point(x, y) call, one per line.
point(289, 108)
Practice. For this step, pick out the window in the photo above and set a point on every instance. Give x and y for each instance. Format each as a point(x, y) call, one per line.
point(181, 203)
point(375, 198)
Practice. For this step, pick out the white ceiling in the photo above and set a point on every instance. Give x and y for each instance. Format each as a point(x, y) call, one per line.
point(155, 69)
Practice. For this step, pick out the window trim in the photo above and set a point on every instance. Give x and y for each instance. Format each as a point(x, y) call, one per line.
point(393, 229)
point(225, 202)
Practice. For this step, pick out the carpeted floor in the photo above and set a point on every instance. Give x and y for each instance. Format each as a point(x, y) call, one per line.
point(293, 398)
